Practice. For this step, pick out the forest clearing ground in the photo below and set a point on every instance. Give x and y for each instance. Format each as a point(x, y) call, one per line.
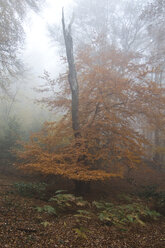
point(21, 226)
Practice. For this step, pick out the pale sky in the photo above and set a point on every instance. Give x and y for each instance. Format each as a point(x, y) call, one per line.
point(40, 54)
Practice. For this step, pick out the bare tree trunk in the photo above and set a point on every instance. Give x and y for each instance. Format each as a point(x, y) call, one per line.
point(80, 186)
point(72, 76)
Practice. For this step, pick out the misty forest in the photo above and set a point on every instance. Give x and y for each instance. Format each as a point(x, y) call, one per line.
point(82, 130)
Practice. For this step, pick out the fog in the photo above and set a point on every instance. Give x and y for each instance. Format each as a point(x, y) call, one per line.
point(39, 53)
point(126, 30)
point(82, 123)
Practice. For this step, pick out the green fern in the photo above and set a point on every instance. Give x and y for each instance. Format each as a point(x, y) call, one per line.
point(124, 214)
point(48, 209)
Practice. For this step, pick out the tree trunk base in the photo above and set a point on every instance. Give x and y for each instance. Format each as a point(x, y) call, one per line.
point(82, 188)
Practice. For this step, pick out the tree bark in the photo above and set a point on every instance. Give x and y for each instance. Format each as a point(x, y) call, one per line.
point(72, 76)
point(80, 186)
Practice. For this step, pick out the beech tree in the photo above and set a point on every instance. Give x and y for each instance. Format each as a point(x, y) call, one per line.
point(107, 99)
point(111, 105)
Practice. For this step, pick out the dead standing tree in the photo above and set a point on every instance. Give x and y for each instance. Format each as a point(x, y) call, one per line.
point(80, 186)
point(73, 82)
point(72, 76)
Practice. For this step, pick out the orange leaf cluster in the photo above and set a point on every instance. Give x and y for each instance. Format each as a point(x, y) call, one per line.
point(116, 101)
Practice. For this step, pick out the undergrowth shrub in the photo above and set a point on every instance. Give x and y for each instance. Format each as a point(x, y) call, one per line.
point(48, 209)
point(67, 202)
point(8, 140)
point(122, 215)
point(63, 203)
point(31, 189)
point(124, 198)
point(158, 197)
point(148, 191)
point(108, 213)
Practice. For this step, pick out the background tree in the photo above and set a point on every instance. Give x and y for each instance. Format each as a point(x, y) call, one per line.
point(11, 37)
point(153, 14)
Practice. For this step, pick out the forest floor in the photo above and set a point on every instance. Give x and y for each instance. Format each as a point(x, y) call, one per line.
point(21, 226)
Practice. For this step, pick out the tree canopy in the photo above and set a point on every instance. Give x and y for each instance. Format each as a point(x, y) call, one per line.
point(119, 103)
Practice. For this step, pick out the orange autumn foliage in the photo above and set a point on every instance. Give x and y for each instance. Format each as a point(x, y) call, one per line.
point(116, 101)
